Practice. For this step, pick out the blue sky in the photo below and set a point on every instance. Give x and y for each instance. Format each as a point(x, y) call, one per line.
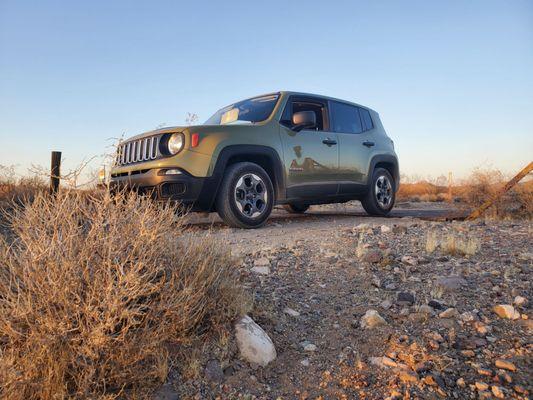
point(452, 80)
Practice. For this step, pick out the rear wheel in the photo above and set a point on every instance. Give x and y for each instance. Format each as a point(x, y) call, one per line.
point(246, 196)
point(381, 195)
point(296, 208)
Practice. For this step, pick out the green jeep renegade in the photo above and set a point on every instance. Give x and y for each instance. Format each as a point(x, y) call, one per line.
point(287, 148)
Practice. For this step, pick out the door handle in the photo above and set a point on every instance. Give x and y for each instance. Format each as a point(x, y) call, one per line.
point(368, 144)
point(329, 142)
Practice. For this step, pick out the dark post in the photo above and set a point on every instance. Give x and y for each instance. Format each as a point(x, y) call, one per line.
point(55, 171)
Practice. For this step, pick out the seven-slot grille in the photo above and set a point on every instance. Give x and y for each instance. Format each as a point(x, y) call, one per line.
point(144, 149)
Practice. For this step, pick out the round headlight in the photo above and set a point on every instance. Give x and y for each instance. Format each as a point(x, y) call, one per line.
point(175, 143)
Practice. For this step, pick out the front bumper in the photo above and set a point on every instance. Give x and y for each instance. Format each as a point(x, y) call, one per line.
point(182, 187)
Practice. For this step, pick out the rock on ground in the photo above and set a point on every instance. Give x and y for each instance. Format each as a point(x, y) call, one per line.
point(371, 319)
point(213, 371)
point(166, 392)
point(261, 270)
point(503, 364)
point(409, 260)
point(291, 312)
point(373, 256)
point(449, 313)
point(506, 311)
point(382, 362)
point(449, 283)
point(519, 301)
point(254, 344)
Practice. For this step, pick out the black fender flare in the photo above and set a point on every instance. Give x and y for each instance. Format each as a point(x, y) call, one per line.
point(210, 188)
point(389, 159)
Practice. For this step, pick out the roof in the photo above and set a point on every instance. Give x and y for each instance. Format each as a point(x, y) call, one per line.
point(286, 92)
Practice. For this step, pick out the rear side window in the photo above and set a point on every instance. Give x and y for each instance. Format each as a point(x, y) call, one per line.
point(367, 121)
point(345, 118)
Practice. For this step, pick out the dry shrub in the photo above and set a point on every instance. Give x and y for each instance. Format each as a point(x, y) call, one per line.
point(18, 190)
point(411, 190)
point(485, 184)
point(523, 193)
point(94, 294)
point(421, 191)
point(480, 186)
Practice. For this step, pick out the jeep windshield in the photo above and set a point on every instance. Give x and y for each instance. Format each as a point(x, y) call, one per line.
point(249, 111)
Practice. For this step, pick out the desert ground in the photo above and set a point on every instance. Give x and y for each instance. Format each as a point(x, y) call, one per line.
point(359, 307)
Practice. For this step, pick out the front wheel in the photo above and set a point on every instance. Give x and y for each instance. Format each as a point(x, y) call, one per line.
point(381, 194)
point(246, 196)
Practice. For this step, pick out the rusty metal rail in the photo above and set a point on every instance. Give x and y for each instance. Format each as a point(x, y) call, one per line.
point(482, 208)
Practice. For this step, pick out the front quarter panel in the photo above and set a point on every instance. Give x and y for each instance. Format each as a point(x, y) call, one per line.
point(214, 138)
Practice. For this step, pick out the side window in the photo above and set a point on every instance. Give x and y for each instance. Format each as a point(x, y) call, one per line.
point(345, 118)
point(367, 121)
point(294, 106)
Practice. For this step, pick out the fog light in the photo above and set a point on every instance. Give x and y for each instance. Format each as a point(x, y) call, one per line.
point(172, 172)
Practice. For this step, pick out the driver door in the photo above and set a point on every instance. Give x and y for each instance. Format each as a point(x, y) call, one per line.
point(311, 156)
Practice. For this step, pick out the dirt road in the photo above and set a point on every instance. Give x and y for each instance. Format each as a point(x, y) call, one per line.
point(283, 228)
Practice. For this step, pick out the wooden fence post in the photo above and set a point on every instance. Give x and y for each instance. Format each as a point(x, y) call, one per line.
point(55, 172)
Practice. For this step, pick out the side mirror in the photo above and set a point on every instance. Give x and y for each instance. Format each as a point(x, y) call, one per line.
point(302, 120)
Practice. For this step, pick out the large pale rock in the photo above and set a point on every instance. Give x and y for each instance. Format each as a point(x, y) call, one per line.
point(254, 344)
point(371, 319)
point(506, 311)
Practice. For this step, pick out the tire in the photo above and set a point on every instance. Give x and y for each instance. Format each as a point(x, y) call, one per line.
point(246, 196)
point(296, 208)
point(381, 195)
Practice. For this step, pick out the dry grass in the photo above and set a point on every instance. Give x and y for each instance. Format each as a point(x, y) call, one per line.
point(422, 191)
point(452, 243)
point(95, 294)
point(432, 241)
point(18, 190)
point(458, 245)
